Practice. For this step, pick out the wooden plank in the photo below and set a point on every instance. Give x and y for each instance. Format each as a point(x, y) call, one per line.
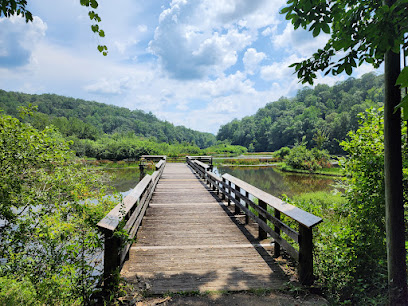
point(301, 216)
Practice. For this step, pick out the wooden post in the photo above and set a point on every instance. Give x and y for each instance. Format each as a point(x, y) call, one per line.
point(246, 205)
point(276, 248)
point(261, 233)
point(223, 194)
point(237, 210)
point(229, 192)
point(111, 261)
point(305, 268)
point(142, 165)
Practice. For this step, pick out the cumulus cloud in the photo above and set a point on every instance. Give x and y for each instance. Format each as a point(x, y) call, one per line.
point(18, 39)
point(196, 39)
point(251, 60)
point(299, 41)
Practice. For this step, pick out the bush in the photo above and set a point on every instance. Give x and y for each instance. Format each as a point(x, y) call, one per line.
point(282, 152)
point(299, 157)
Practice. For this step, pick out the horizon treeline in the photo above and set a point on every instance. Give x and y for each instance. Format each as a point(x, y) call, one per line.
point(82, 119)
point(323, 115)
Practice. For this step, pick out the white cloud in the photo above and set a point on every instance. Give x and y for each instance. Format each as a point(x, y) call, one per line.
point(197, 39)
point(251, 60)
point(299, 41)
point(280, 71)
point(18, 39)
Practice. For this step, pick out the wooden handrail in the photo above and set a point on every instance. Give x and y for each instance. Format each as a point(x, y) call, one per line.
point(126, 216)
point(268, 208)
point(205, 159)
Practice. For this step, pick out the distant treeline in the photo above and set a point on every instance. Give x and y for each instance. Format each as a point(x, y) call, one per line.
point(324, 115)
point(91, 120)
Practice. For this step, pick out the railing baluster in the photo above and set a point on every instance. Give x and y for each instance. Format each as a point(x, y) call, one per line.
point(246, 205)
point(276, 248)
point(261, 233)
point(237, 211)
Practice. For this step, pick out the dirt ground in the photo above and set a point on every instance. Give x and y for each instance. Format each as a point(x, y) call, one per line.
point(229, 299)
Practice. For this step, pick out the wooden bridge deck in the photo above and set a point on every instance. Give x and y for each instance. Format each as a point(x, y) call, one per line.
point(191, 241)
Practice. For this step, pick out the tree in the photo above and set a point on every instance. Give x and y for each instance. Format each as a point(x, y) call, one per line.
point(10, 8)
point(371, 32)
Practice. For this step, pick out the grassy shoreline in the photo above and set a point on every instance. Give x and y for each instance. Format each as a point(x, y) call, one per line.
point(333, 171)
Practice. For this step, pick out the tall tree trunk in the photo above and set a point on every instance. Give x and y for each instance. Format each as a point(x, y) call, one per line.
point(397, 277)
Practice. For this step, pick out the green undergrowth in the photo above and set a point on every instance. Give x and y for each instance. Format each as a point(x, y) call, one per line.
point(332, 171)
point(17, 292)
point(336, 253)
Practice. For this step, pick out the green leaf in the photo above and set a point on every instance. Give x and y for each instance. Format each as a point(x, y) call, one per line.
point(403, 78)
point(349, 70)
point(316, 30)
point(286, 10)
point(326, 28)
point(95, 28)
point(100, 48)
point(101, 33)
point(404, 106)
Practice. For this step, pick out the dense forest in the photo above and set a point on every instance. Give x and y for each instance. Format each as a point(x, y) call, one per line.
point(324, 115)
point(81, 119)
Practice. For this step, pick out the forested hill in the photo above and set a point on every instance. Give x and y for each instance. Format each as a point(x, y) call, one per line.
point(88, 120)
point(323, 115)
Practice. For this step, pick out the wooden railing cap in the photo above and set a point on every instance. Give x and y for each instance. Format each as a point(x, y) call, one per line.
point(204, 165)
point(112, 219)
point(303, 217)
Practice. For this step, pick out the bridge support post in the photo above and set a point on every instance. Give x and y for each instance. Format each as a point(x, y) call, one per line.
point(111, 261)
point(305, 269)
point(261, 233)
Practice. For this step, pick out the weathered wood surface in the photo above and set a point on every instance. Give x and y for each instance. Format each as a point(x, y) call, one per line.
point(191, 241)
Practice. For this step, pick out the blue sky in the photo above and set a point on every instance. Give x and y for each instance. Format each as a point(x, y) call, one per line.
point(197, 63)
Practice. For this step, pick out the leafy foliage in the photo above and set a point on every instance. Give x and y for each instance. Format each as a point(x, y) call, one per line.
point(356, 28)
point(350, 245)
point(49, 209)
point(299, 157)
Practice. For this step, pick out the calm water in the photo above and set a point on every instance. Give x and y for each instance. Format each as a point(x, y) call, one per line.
point(277, 183)
point(268, 179)
point(123, 180)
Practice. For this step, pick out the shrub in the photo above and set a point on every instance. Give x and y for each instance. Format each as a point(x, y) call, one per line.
point(299, 157)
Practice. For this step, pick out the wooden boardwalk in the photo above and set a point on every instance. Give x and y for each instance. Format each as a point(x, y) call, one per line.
point(191, 241)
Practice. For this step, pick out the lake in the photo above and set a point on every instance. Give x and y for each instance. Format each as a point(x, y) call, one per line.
point(268, 179)
point(277, 182)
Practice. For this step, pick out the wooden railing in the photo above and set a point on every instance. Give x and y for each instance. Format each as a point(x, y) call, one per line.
point(126, 216)
point(265, 207)
point(204, 159)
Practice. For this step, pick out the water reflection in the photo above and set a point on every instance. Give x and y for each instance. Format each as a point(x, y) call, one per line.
point(123, 179)
point(277, 182)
